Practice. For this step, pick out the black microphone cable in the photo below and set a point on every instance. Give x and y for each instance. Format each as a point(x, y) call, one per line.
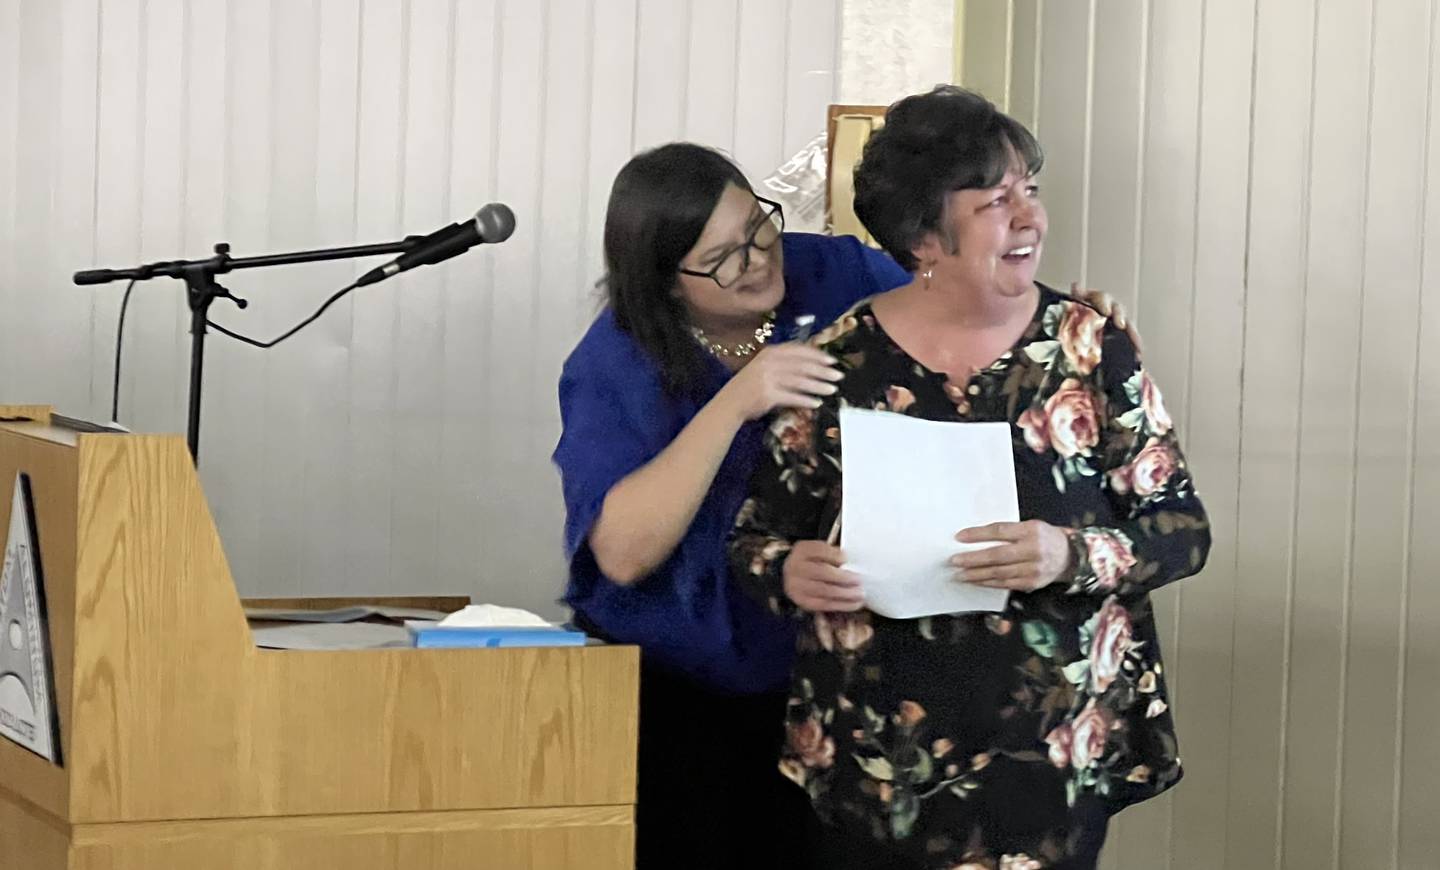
point(491, 225)
point(119, 343)
point(301, 325)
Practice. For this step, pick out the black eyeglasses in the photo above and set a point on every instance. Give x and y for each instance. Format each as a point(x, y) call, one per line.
point(736, 261)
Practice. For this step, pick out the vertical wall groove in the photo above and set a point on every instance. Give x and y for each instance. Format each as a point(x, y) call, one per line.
point(1181, 638)
point(1142, 132)
point(1349, 576)
point(1009, 48)
point(439, 432)
point(1087, 142)
point(582, 276)
point(1195, 218)
point(683, 93)
point(355, 217)
point(1295, 493)
point(177, 395)
point(1403, 642)
point(785, 74)
point(1039, 70)
point(96, 328)
point(635, 81)
point(1418, 837)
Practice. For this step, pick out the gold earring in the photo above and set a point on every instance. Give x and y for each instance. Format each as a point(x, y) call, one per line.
point(927, 275)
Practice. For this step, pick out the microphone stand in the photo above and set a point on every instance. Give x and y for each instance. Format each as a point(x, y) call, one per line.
point(202, 290)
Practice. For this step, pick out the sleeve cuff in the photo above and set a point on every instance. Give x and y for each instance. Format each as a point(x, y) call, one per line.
point(778, 602)
point(1083, 579)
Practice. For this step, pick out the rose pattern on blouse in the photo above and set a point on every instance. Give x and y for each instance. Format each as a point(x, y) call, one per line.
point(927, 732)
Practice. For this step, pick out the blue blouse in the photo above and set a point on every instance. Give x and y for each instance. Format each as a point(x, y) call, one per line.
point(687, 616)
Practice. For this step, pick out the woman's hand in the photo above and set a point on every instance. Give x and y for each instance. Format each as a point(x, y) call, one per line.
point(790, 375)
point(1027, 556)
point(814, 580)
point(1106, 305)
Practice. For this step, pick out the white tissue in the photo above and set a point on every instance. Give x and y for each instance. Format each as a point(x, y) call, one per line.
point(493, 616)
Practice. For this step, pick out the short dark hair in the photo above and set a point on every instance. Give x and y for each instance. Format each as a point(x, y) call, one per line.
point(659, 205)
point(930, 145)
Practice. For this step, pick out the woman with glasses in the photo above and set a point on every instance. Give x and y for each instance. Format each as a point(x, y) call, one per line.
point(662, 404)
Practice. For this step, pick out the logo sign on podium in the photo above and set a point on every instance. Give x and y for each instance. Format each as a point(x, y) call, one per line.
point(27, 700)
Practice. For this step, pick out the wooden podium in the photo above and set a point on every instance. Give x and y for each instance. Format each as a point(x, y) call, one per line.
point(185, 746)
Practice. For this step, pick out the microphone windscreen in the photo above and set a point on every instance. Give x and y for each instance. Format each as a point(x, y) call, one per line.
point(496, 222)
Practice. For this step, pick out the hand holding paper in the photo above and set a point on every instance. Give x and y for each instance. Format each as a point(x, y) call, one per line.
point(1026, 556)
point(816, 579)
point(909, 486)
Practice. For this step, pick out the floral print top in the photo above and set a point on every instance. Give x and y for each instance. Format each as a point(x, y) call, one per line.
point(968, 739)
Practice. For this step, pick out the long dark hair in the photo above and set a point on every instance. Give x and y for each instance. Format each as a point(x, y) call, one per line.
point(658, 207)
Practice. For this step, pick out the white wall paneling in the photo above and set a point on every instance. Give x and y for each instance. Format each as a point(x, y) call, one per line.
point(401, 443)
point(1256, 180)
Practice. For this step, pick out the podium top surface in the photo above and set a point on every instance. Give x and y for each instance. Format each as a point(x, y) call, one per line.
point(31, 423)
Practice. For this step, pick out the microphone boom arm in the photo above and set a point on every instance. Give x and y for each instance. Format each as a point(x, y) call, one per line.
point(202, 290)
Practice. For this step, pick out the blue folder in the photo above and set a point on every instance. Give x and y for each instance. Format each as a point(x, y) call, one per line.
point(437, 637)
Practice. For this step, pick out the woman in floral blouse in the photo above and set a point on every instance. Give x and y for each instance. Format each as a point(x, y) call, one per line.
point(1001, 740)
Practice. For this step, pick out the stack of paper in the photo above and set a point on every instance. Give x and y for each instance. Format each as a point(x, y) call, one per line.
point(362, 626)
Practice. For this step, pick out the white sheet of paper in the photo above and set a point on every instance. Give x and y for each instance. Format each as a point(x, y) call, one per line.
point(909, 485)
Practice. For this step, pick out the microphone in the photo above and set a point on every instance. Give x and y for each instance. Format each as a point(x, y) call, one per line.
point(491, 225)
